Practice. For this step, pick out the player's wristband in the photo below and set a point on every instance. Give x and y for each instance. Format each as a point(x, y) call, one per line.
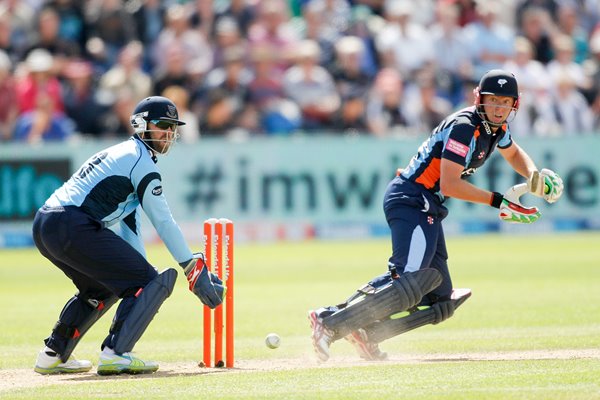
point(496, 200)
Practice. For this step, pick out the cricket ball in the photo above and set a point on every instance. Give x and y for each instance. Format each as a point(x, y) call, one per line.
point(272, 340)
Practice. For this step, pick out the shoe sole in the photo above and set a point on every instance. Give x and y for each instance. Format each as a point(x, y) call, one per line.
point(123, 369)
point(60, 370)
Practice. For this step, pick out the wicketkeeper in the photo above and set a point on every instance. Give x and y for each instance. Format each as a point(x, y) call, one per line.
point(73, 230)
point(417, 288)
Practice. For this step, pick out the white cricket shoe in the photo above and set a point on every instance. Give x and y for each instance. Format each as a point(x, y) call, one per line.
point(112, 363)
point(49, 362)
point(321, 336)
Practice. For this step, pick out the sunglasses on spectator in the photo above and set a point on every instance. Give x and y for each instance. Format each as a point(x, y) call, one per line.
point(164, 125)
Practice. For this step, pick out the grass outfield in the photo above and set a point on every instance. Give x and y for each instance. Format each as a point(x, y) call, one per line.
point(531, 330)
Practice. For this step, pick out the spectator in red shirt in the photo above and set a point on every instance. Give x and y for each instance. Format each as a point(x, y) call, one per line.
point(38, 79)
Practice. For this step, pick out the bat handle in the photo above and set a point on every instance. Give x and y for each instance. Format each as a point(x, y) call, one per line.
point(515, 192)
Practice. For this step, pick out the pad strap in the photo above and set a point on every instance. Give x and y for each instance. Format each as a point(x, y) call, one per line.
point(68, 331)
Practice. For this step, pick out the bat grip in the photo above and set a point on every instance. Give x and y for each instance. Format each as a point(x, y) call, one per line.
point(515, 192)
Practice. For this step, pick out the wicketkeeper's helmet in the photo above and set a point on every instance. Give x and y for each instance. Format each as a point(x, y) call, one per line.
point(161, 112)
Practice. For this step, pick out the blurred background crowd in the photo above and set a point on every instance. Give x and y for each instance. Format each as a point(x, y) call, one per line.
point(76, 68)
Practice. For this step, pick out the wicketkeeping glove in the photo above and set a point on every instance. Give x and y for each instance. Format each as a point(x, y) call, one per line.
point(513, 211)
point(546, 184)
point(203, 283)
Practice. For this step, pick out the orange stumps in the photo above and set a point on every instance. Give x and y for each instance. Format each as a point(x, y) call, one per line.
point(218, 250)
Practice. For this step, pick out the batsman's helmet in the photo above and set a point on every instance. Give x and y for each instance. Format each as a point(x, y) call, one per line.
point(497, 82)
point(161, 112)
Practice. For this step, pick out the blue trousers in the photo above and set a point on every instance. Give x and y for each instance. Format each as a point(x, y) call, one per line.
point(415, 216)
point(99, 262)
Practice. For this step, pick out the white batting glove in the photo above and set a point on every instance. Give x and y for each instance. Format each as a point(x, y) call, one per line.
point(553, 185)
point(545, 184)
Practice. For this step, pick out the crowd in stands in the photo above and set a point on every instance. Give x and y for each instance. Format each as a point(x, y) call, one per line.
point(76, 68)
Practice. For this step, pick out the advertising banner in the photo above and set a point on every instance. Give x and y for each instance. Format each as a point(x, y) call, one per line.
point(309, 185)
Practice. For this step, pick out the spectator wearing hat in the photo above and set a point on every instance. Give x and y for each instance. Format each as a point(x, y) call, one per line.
point(41, 108)
point(348, 72)
point(37, 78)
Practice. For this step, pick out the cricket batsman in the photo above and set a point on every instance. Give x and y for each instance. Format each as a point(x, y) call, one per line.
point(72, 230)
point(418, 282)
